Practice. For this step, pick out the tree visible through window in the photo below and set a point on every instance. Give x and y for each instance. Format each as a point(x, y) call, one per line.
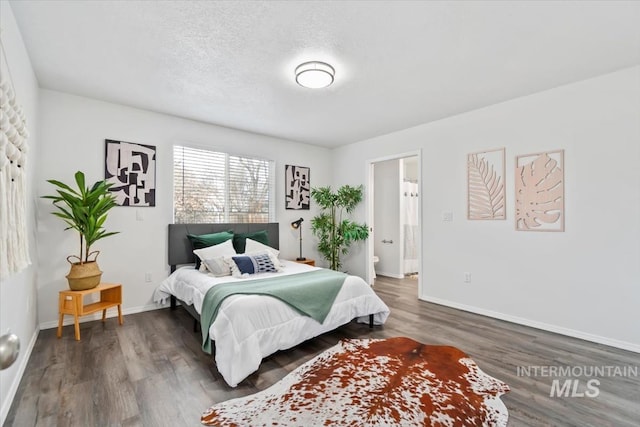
point(211, 186)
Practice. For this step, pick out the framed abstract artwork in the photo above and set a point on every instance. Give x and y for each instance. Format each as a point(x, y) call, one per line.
point(131, 168)
point(485, 185)
point(539, 185)
point(297, 187)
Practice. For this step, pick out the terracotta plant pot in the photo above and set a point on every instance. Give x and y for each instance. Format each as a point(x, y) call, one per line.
point(83, 275)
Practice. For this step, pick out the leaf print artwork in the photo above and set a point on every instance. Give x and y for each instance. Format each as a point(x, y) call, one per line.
point(539, 188)
point(485, 185)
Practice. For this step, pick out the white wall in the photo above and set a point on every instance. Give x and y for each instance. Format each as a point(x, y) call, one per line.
point(73, 132)
point(18, 292)
point(410, 168)
point(583, 282)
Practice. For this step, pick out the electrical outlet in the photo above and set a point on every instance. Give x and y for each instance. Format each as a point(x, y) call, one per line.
point(147, 277)
point(447, 216)
point(467, 277)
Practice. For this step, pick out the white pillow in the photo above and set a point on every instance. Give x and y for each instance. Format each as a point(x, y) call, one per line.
point(254, 246)
point(213, 258)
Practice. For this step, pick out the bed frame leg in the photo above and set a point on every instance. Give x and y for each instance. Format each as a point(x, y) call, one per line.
point(371, 321)
point(196, 325)
point(173, 302)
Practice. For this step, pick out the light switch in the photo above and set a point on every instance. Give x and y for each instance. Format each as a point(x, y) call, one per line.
point(139, 215)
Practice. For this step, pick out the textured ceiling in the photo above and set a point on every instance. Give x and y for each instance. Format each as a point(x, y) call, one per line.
point(398, 64)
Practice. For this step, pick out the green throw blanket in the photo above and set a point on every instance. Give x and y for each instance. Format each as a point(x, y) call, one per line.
point(311, 293)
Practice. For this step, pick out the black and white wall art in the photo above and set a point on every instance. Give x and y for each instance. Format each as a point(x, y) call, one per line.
point(297, 187)
point(132, 170)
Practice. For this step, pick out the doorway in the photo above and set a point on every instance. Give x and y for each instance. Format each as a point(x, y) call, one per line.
point(394, 217)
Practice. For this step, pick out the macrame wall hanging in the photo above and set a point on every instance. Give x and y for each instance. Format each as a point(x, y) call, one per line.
point(14, 241)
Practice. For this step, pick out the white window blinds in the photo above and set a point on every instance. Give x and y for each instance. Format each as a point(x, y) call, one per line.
point(211, 186)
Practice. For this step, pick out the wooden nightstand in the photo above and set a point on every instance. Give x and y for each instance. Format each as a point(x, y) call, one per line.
point(71, 302)
point(311, 262)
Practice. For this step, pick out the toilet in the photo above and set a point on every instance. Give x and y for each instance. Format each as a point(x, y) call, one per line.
point(374, 261)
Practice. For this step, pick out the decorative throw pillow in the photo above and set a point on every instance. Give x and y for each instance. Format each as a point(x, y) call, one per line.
point(217, 266)
point(206, 240)
point(213, 258)
point(254, 247)
point(252, 264)
point(240, 239)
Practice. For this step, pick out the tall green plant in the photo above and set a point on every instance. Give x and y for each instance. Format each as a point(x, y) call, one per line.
point(84, 210)
point(334, 232)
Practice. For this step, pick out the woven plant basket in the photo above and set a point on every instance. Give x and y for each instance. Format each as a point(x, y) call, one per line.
point(84, 275)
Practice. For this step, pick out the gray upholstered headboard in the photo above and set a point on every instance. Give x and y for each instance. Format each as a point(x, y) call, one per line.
point(181, 252)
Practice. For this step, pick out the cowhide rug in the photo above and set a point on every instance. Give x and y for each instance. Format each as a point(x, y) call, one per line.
point(373, 382)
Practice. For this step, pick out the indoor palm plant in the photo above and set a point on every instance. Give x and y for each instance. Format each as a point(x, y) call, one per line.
point(85, 210)
point(334, 232)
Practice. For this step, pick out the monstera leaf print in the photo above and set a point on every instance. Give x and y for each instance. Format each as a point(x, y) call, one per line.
point(540, 194)
point(486, 189)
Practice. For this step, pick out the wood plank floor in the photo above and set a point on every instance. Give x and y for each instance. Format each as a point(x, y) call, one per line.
point(151, 371)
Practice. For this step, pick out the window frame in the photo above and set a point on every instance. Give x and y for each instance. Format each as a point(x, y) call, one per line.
point(271, 181)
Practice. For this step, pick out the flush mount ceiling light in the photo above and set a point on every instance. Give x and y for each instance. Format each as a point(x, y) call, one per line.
point(314, 74)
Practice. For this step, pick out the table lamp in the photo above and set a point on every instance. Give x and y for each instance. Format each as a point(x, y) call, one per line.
point(297, 225)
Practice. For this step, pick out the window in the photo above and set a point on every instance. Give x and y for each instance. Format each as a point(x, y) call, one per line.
point(211, 186)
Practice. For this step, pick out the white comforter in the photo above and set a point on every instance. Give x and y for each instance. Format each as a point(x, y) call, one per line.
point(251, 327)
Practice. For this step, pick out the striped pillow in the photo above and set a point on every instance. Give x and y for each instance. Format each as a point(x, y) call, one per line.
point(252, 264)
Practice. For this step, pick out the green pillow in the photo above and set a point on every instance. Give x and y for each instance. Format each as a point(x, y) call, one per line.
point(240, 239)
point(206, 240)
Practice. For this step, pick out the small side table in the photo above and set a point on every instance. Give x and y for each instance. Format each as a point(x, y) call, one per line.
point(311, 262)
point(71, 302)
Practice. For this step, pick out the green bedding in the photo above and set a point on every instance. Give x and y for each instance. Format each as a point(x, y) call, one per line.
point(311, 293)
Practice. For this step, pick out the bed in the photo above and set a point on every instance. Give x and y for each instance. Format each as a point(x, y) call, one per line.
point(249, 327)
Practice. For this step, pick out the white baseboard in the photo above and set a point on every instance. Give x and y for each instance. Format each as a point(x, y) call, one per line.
point(8, 399)
point(394, 275)
point(624, 345)
point(112, 312)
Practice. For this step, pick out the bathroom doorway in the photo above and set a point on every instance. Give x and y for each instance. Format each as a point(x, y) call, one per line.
point(394, 205)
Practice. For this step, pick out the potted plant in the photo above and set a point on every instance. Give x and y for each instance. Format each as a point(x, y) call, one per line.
point(84, 210)
point(335, 232)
